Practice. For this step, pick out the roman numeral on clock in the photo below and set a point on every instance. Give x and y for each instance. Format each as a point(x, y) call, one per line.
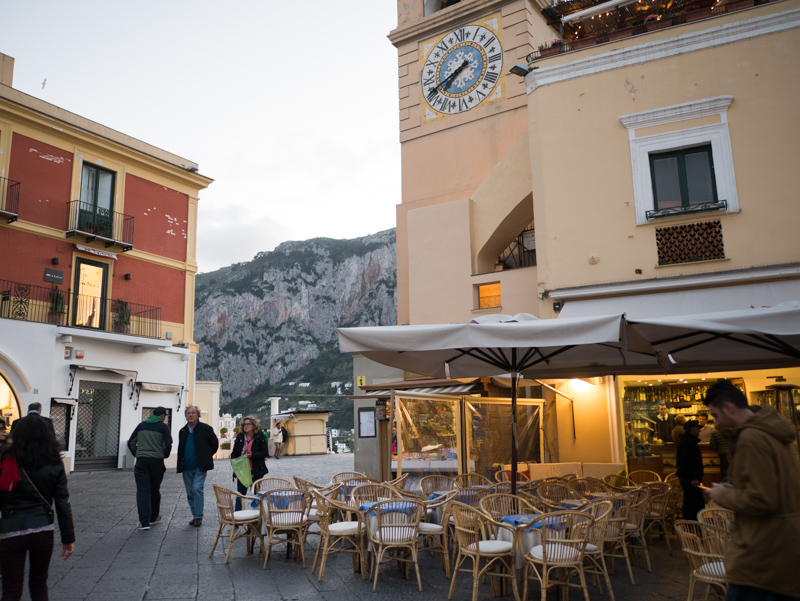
point(491, 77)
point(496, 57)
point(459, 35)
point(463, 105)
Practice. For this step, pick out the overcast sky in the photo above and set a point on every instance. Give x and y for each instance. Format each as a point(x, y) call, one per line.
point(291, 107)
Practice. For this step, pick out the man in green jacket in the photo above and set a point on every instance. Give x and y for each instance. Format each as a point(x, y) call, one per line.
point(150, 443)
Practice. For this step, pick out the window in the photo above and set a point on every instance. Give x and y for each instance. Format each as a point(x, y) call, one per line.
point(683, 171)
point(521, 252)
point(489, 296)
point(97, 201)
point(683, 178)
point(432, 6)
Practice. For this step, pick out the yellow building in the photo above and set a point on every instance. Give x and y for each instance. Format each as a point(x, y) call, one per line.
point(644, 167)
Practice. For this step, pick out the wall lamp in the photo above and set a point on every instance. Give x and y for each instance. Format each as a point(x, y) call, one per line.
point(55, 260)
point(521, 69)
point(128, 276)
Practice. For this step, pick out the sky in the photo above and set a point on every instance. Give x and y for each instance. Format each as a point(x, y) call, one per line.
point(291, 107)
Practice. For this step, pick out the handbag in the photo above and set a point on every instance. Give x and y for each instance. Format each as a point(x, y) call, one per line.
point(9, 473)
point(241, 468)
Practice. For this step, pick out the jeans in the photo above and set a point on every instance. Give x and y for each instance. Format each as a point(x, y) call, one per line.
point(194, 480)
point(738, 592)
point(12, 564)
point(148, 472)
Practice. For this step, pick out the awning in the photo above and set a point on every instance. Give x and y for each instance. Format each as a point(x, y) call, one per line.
point(451, 390)
point(64, 401)
point(155, 387)
point(73, 370)
point(669, 303)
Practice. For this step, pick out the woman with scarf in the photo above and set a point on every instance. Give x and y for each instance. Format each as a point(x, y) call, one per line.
point(250, 442)
point(34, 491)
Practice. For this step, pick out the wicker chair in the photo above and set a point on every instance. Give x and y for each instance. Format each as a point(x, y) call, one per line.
point(595, 545)
point(342, 476)
point(498, 506)
point(704, 546)
point(430, 484)
point(304, 484)
point(334, 532)
point(616, 546)
point(434, 536)
point(285, 511)
point(394, 526)
point(634, 529)
point(658, 513)
point(399, 482)
point(551, 494)
point(618, 482)
point(642, 476)
point(239, 524)
point(471, 529)
point(587, 485)
point(270, 483)
point(372, 493)
point(503, 488)
point(471, 479)
point(564, 539)
point(716, 516)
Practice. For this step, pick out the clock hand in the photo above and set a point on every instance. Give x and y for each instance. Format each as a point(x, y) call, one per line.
point(446, 82)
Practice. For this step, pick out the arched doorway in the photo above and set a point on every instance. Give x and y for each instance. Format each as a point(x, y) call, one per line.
point(9, 403)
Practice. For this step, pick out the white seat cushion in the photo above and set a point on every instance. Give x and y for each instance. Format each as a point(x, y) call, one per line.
point(342, 528)
point(715, 569)
point(590, 548)
point(429, 528)
point(492, 547)
point(246, 514)
point(555, 552)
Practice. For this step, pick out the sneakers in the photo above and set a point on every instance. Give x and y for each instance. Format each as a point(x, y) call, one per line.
point(143, 526)
point(155, 520)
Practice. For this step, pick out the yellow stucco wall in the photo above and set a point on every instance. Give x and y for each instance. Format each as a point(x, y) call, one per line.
point(581, 158)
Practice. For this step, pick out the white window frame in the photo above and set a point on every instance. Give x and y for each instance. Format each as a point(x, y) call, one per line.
point(716, 134)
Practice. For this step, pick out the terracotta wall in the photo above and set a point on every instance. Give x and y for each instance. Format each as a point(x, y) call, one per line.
point(45, 175)
point(161, 216)
point(151, 284)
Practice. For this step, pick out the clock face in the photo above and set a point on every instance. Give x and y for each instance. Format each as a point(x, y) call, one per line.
point(462, 70)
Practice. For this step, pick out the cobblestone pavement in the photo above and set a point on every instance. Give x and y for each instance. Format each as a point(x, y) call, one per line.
point(114, 561)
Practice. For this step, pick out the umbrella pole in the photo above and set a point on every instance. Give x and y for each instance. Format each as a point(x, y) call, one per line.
point(514, 426)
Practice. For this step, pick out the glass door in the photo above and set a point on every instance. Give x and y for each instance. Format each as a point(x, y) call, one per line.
point(97, 201)
point(98, 421)
point(91, 279)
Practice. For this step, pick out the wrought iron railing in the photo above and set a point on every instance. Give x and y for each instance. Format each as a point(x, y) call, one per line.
point(95, 222)
point(41, 304)
point(701, 207)
point(9, 199)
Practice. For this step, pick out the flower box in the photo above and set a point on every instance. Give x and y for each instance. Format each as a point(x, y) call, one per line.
point(584, 43)
point(739, 5)
point(696, 15)
point(552, 51)
point(660, 24)
point(620, 34)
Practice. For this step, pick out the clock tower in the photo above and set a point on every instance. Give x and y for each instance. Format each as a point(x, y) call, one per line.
point(463, 117)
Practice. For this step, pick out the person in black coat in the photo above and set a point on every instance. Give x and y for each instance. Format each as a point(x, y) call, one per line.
point(690, 469)
point(34, 409)
point(250, 441)
point(197, 443)
point(30, 507)
point(665, 423)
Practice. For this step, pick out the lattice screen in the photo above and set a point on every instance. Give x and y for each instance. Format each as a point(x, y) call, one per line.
point(690, 242)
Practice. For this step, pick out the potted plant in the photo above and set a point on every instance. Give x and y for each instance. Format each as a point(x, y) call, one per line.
point(122, 316)
point(58, 307)
point(553, 49)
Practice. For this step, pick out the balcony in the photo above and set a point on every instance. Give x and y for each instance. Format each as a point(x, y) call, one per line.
point(42, 304)
point(96, 223)
point(583, 23)
point(9, 199)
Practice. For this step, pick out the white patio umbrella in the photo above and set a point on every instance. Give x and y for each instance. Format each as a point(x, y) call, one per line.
point(500, 344)
point(766, 337)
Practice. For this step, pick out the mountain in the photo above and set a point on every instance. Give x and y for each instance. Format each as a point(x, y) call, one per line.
point(262, 325)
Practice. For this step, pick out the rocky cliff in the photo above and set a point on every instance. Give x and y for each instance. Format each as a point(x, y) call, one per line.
point(258, 322)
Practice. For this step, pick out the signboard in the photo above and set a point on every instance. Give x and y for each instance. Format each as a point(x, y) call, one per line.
point(361, 381)
point(366, 423)
point(53, 275)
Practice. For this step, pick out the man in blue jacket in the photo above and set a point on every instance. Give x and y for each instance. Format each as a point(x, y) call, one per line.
point(197, 444)
point(150, 443)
